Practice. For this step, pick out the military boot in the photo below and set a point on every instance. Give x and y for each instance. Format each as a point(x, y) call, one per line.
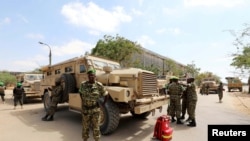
point(192, 123)
point(173, 119)
point(51, 118)
point(183, 116)
point(179, 121)
point(45, 117)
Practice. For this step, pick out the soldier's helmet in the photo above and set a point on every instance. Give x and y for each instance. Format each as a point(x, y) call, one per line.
point(174, 78)
point(1, 83)
point(19, 84)
point(91, 71)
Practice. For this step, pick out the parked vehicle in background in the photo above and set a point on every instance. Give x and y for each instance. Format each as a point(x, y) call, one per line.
point(130, 89)
point(209, 83)
point(234, 83)
point(31, 84)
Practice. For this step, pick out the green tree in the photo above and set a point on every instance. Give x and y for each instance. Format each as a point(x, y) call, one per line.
point(172, 66)
point(192, 69)
point(7, 78)
point(201, 76)
point(241, 59)
point(116, 48)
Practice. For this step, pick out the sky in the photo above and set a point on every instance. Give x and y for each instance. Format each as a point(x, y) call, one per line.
point(187, 31)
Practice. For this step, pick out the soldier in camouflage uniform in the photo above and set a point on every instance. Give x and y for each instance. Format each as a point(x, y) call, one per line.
point(220, 91)
point(56, 94)
point(184, 103)
point(175, 92)
point(90, 92)
point(192, 100)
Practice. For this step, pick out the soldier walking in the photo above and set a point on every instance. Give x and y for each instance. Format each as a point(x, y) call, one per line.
point(56, 94)
point(90, 92)
point(220, 91)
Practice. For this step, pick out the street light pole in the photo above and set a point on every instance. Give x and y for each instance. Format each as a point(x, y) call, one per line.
point(49, 51)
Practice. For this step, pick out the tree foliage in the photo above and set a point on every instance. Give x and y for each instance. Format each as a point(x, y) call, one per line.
point(201, 76)
point(116, 48)
point(7, 78)
point(241, 59)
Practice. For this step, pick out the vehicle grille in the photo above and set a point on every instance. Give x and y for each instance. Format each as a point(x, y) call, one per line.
point(148, 84)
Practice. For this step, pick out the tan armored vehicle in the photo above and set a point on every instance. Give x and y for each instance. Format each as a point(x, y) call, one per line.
point(31, 84)
point(131, 90)
point(234, 83)
point(209, 83)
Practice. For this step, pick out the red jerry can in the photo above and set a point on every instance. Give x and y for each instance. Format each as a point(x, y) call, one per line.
point(162, 130)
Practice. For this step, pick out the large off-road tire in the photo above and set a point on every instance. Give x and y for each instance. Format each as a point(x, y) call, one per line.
point(69, 86)
point(46, 101)
point(141, 116)
point(110, 117)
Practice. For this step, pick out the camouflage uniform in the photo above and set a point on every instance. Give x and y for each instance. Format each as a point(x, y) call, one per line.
point(184, 104)
point(56, 94)
point(90, 94)
point(192, 101)
point(220, 91)
point(175, 92)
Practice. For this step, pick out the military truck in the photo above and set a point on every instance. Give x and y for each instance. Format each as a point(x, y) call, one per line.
point(234, 83)
point(31, 84)
point(131, 90)
point(211, 83)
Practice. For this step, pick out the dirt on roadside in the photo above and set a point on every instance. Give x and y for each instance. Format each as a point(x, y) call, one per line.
point(241, 102)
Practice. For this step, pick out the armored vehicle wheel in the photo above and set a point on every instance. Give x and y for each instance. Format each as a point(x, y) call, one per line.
point(46, 101)
point(142, 116)
point(110, 116)
point(69, 84)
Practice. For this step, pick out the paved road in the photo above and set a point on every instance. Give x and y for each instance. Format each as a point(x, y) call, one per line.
point(26, 125)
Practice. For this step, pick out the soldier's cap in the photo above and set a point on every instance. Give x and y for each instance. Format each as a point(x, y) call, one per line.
point(19, 84)
point(1, 83)
point(174, 77)
point(91, 71)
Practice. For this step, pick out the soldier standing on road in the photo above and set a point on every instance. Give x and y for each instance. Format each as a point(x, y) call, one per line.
point(184, 104)
point(192, 101)
point(56, 94)
point(2, 93)
point(220, 91)
point(90, 92)
point(167, 92)
point(175, 92)
point(18, 95)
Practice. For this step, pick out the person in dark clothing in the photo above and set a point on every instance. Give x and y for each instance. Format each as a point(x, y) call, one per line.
point(56, 95)
point(220, 91)
point(18, 95)
point(2, 93)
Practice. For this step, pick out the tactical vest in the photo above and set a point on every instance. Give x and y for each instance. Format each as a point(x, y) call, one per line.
point(18, 91)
